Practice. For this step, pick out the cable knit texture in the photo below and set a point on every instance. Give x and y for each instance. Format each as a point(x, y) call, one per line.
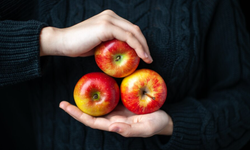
point(200, 48)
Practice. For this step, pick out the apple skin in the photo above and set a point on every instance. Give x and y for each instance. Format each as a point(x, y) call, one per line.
point(96, 94)
point(116, 58)
point(135, 87)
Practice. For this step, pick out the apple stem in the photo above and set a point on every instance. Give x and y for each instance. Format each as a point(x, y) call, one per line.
point(150, 96)
point(118, 58)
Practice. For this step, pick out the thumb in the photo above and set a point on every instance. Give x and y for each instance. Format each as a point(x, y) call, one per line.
point(129, 130)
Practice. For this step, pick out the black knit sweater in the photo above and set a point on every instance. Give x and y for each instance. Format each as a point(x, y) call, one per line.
point(200, 48)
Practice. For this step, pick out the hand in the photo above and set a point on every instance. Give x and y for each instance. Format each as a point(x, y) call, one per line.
point(124, 122)
point(80, 39)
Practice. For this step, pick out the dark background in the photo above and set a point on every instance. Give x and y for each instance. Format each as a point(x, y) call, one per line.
point(15, 133)
point(245, 9)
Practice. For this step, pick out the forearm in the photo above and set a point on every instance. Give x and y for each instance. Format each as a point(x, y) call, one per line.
point(168, 128)
point(19, 52)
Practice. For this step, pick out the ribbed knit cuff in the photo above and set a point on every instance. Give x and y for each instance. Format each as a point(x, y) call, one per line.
point(186, 118)
point(19, 51)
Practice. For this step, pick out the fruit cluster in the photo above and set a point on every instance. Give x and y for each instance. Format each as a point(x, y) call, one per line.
point(141, 91)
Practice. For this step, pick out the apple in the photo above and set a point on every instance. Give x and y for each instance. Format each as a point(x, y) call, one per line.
point(96, 94)
point(116, 58)
point(144, 91)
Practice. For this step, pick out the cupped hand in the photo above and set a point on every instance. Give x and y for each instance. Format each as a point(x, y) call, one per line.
point(124, 122)
point(80, 39)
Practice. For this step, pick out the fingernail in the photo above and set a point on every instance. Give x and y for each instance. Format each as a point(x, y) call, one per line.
point(149, 57)
point(61, 105)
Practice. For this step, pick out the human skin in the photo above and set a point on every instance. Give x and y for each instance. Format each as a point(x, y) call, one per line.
point(124, 122)
point(79, 41)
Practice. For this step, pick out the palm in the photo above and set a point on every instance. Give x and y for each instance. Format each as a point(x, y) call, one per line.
point(122, 121)
point(144, 125)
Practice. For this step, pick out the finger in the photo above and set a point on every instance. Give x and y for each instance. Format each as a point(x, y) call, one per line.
point(124, 24)
point(113, 31)
point(134, 29)
point(131, 130)
point(75, 112)
point(93, 122)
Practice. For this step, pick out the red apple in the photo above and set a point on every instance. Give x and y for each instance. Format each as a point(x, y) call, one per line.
point(116, 58)
point(144, 91)
point(96, 94)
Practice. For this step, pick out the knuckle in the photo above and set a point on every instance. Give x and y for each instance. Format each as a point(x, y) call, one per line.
point(137, 28)
point(108, 11)
point(139, 50)
point(105, 18)
point(129, 34)
point(104, 24)
point(140, 47)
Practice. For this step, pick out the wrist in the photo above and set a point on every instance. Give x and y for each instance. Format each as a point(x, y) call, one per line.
point(49, 39)
point(168, 129)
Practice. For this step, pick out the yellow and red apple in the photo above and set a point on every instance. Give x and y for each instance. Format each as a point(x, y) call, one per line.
point(116, 58)
point(96, 94)
point(144, 91)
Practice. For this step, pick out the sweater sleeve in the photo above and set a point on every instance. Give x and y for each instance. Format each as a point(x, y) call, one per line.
point(19, 51)
point(220, 119)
